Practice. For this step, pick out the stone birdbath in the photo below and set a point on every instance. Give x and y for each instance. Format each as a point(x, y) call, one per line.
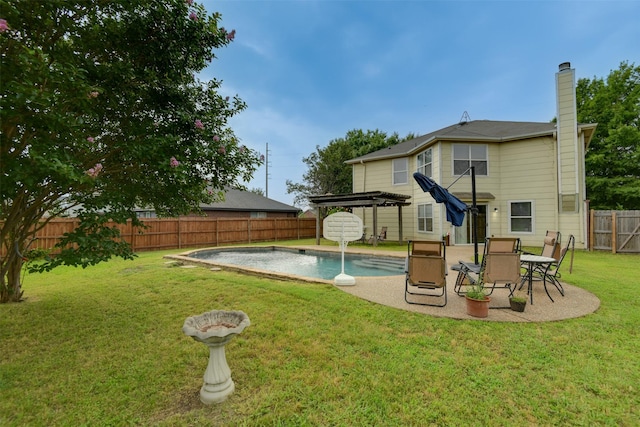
point(215, 329)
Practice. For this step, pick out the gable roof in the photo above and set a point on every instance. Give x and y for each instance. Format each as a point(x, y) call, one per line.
point(476, 130)
point(238, 200)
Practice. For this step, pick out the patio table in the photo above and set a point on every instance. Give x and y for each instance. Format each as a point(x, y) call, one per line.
point(532, 261)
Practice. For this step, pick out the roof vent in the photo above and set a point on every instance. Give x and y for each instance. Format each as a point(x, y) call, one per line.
point(564, 66)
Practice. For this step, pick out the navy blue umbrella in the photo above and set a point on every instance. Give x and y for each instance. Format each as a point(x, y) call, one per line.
point(455, 208)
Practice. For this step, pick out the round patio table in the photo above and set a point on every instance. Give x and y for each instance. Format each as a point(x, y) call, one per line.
point(532, 261)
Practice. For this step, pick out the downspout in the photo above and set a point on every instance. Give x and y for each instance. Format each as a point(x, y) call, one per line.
point(585, 201)
point(556, 211)
point(440, 210)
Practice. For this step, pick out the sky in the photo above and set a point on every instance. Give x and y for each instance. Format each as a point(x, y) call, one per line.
point(311, 70)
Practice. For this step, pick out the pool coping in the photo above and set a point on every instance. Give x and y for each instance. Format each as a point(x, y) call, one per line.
point(183, 257)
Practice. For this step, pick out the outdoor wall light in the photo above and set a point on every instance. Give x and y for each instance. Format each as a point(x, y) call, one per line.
point(495, 209)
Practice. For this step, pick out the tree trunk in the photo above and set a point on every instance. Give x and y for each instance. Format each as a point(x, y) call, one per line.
point(10, 286)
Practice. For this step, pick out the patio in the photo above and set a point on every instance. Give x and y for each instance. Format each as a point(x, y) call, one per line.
point(390, 291)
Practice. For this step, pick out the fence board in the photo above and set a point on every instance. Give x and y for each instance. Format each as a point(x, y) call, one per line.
point(188, 232)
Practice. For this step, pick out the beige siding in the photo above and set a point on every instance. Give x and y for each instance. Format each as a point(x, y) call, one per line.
point(378, 176)
point(518, 170)
point(528, 173)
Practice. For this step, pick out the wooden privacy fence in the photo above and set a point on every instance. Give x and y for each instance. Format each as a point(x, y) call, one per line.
point(615, 231)
point(189, 232)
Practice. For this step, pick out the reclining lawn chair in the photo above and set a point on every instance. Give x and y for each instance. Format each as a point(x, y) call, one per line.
point(426, 273)
point(469, 273)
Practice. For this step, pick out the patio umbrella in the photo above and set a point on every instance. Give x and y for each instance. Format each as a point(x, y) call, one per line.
point(455, 208)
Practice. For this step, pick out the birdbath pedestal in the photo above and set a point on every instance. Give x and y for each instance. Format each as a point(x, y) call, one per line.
point(215, 329)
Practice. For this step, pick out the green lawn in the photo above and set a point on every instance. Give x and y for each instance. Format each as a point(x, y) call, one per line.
point(104, 346)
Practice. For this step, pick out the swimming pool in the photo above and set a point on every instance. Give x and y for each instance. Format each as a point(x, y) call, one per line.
point(302, 262)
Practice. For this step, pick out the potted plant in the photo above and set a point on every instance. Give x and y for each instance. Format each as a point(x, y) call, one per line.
point(477, 300)
point(518, 302)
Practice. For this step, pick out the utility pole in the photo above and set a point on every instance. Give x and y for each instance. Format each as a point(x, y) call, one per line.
point(266, 163)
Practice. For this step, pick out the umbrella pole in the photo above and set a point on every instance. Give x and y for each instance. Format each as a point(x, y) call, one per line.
point(474, 213)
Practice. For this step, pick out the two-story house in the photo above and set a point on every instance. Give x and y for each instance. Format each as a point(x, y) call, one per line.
point(530, 176)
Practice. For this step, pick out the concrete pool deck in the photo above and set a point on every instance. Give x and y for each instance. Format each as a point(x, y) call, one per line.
point(389, 291)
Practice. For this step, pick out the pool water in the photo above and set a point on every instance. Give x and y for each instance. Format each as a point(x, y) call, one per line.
point(304, 262)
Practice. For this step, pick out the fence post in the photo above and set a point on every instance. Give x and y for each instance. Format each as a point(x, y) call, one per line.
point(592, 239)
point(133, 236)
point(179, 235)
point(614, 232)
point(249, 229)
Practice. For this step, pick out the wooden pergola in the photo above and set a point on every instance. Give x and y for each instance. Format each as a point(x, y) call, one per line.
point(373, 199)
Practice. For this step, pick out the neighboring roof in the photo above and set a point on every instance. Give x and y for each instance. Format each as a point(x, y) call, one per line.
point(357, 200)
point(476, 130)
point(238, 200)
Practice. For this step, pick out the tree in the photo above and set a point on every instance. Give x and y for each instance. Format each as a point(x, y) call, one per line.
point(258, 191)
point(328, 172)
point(612, 161)
point(102, 112)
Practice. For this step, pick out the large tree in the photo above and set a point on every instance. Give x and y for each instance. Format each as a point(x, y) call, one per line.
point(102, 112)
point(613, 159)
point(327, 171)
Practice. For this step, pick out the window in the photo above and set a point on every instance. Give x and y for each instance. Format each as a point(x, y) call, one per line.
point(400, 171)
point(424, 162)
point(258, 214)
point(146, 214)
point(425, 217)
point(467, 155)
point(521, 217)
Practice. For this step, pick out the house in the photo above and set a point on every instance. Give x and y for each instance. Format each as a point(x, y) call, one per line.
point(529, 176)
point(241, 204)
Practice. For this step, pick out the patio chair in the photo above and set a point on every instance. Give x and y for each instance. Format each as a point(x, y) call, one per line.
point(380, 238)
point(550, 248)
point(426, 273)
point(550, 245)
point(551, 274)
point(469, 273)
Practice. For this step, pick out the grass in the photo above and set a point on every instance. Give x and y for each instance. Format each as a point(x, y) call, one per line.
point(104, 346)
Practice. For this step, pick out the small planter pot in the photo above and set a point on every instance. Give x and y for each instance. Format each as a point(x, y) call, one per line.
point(517, 305)
point(478, 307)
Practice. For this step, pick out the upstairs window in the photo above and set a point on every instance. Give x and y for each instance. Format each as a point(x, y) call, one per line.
point(400, 171)
point(467, 155)
point(424, 163)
